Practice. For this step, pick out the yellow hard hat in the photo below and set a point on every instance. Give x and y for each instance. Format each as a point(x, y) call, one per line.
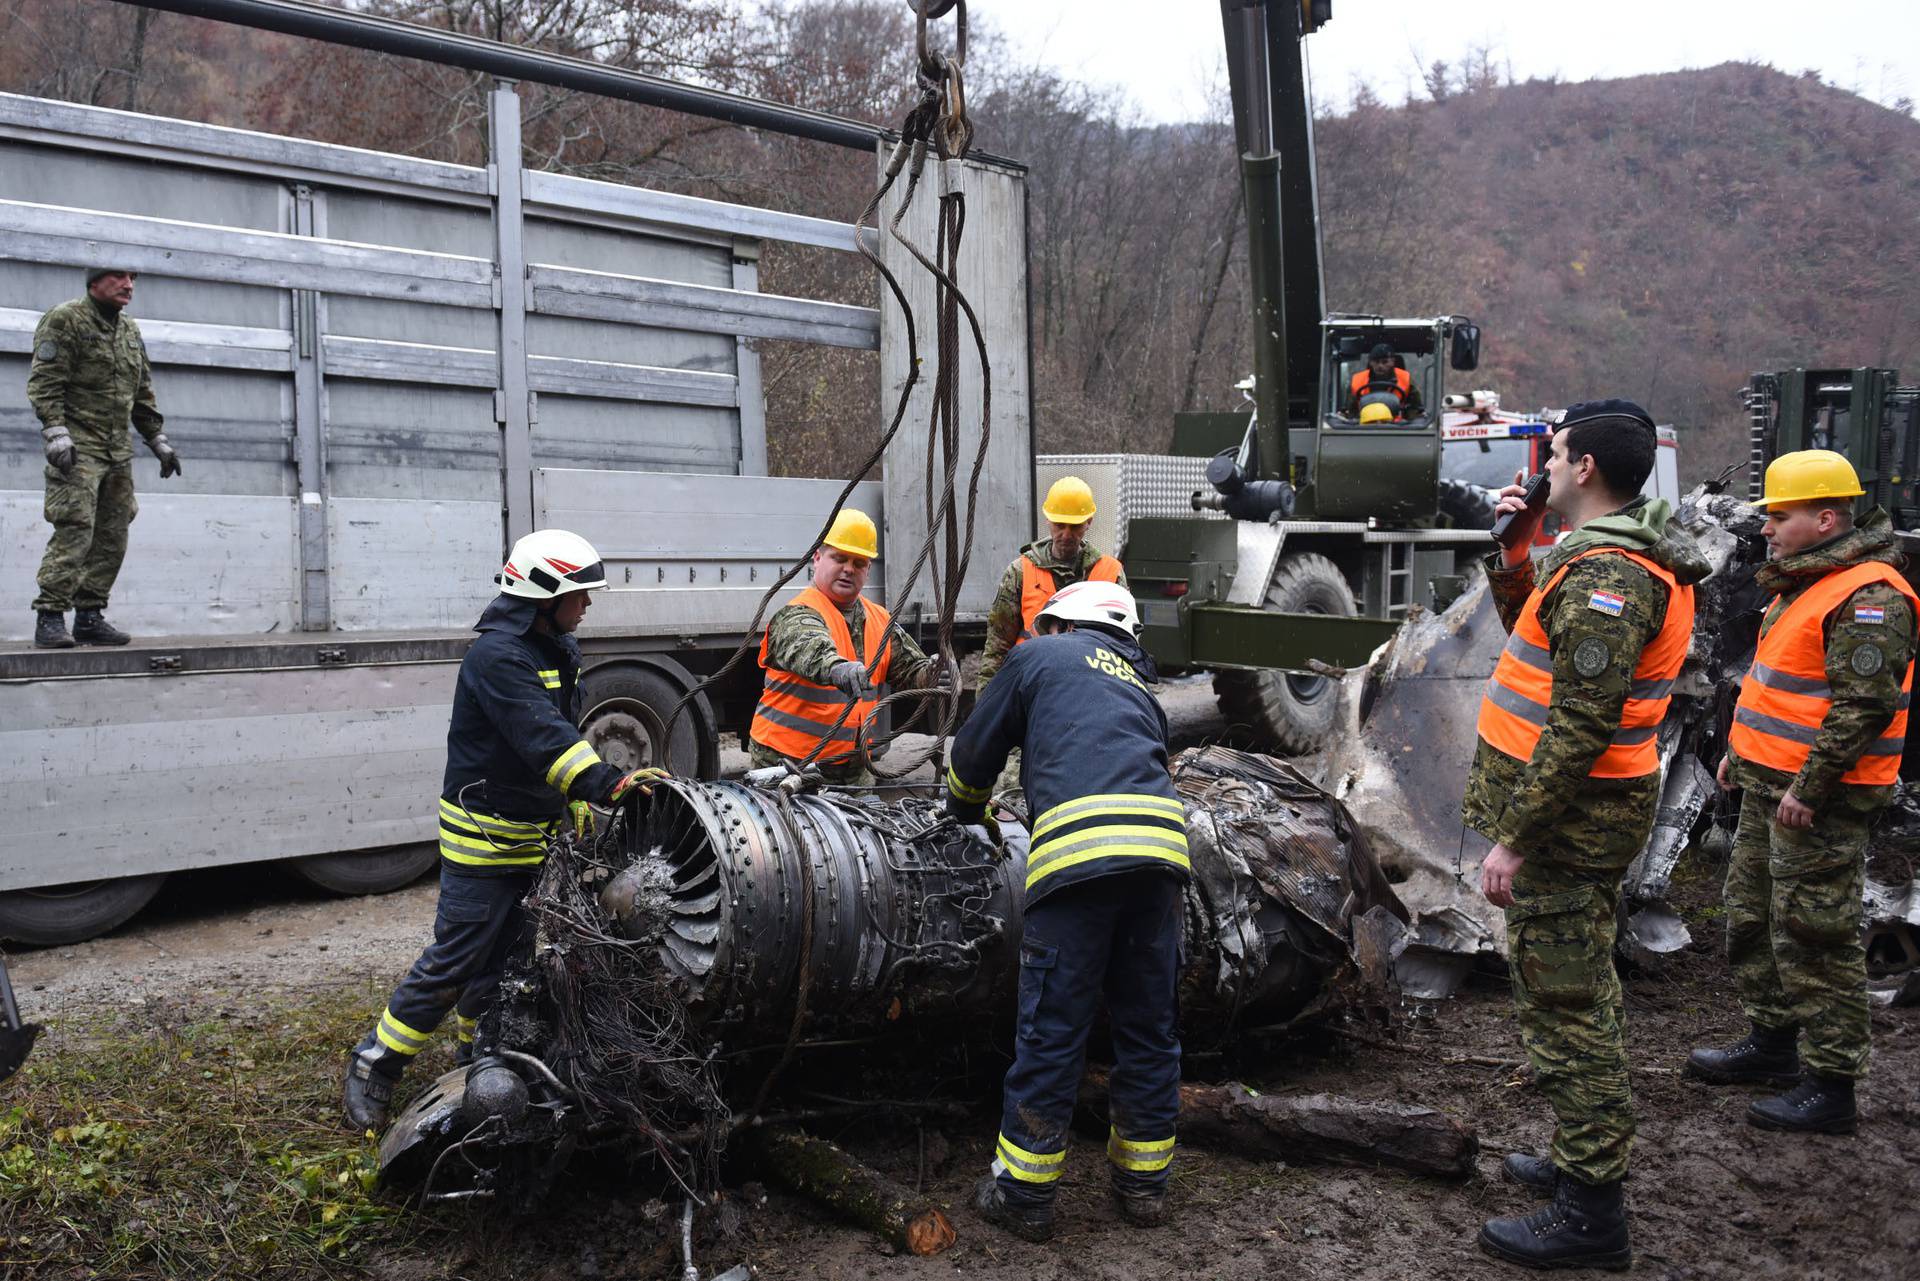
point(1069, 502)
point(1375, 413)
point(854, 534)
point(1809, 474)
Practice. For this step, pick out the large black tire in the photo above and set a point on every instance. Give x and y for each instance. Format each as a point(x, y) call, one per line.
point(1464, 505)
point(1289, 714)
point(378, 871)
point(624, 711)
point(70, 913)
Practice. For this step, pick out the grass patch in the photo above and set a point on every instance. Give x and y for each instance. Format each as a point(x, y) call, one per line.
point(177, 1144)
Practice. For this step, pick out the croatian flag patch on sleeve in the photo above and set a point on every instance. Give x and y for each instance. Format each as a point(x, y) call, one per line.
point(1607, 603)
point(1869, 614)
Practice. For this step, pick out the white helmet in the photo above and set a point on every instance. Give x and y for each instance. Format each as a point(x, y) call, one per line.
point(1107, 605)
point(549, 563)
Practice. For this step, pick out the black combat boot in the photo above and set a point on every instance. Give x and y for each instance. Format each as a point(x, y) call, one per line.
point(1531, 1171)
point(90, 627)
point(1764, 1056)
point(1029, 1223)
point(50, 630)
point(1141, 1208)
point(1584, 1226)
point(1818, 1105)
point(367, 1093)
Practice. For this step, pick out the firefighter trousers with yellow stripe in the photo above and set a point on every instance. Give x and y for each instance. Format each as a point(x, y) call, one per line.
point(1119, 936)
point(478, 926)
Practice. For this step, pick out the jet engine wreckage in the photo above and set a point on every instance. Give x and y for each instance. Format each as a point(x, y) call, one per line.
point(685, 960)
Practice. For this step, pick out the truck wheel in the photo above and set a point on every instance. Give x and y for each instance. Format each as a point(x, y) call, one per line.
point(1464, 505)
point(1291, 714)
point(377, 871)
point(71, 913)
point(625, 713)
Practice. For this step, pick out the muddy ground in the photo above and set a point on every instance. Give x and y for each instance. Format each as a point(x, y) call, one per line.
point(1710, 1196)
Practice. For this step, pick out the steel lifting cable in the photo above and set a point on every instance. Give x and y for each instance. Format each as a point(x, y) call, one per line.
point(937, 119)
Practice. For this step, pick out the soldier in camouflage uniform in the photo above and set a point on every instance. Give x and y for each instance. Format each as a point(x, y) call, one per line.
point(1601, 638)
point(800, 643)
point(1793, 890)
point(89, 377)
point(1062, 558)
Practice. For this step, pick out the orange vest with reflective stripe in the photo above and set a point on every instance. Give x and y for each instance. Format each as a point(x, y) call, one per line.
point(1037, 587)
point(1785, 697)
point(1514, 709)
point(1402, 384)
point(795, 713)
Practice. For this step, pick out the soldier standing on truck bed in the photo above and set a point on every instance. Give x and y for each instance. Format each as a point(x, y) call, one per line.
point(828, 647)
point(1816, 742)
point(89, 376)
point(516, 764)
point(1566, 780)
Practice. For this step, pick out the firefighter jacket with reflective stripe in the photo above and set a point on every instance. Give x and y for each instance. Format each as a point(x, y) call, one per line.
point(1038, 585)
point(1520, 691)
point(1093, 760)
point(515, 755)
point(794, 713)
point(1363, 384)
point(1785, 696)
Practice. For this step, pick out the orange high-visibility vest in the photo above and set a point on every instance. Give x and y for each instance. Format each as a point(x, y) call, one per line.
point(794, 713)
point(1785, 697)
point(1361, 384)
point(1037, 587)
point(1514, 708)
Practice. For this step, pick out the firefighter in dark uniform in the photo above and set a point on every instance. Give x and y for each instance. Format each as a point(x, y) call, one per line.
point(1103, 909)
point(517, 765)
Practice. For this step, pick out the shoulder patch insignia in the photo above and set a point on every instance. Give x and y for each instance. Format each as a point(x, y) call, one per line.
point(48, 350)
point(1607, 603)
point(1867, 659)
point(1869, 614)
point(1591, 656)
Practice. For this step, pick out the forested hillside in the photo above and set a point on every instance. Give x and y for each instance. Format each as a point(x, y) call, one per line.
point(1656, 237)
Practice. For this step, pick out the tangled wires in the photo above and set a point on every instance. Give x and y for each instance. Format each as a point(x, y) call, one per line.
point(620, 1037)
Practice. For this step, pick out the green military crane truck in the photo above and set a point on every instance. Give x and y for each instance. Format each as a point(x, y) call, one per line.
point(1333, 480)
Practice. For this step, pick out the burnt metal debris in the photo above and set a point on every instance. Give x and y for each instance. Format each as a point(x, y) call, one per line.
point(686, 959)
point(1409, 742)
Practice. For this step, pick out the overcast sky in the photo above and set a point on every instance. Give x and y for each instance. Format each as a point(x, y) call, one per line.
point(1163, 53)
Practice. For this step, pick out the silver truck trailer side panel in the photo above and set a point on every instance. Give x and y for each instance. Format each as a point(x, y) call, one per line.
point(216, 768)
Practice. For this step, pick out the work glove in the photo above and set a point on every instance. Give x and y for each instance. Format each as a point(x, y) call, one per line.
point(639, 778)
point(59, 447)
point(169, 460)
point(850, 677)
point(987, 832)
point(940, 675)
point(582, 816)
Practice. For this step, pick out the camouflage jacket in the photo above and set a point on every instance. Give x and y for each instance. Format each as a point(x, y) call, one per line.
point(1862, 705)
point(1004, 623)
point(1534, 806)
point(90, 375)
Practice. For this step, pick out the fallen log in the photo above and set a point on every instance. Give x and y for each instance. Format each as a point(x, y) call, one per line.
point(857, 1192)
point(1315, 1128)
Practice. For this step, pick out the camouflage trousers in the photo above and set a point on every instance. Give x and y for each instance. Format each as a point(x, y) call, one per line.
point(89, 508)
point(1572, 1017)
point(1793, 930)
